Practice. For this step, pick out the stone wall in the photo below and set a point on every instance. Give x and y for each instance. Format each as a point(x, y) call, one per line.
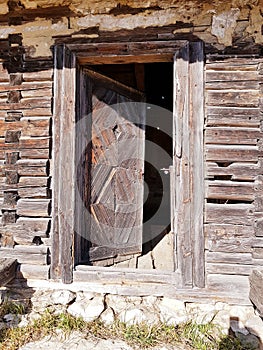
point(240, 320)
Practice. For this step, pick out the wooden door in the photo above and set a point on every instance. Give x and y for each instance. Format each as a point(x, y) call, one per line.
point(115, 163)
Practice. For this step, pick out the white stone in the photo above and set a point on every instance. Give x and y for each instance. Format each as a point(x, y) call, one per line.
point(145, 262)
point(85, 295)
point(107, 317)
point(63, 297)
point(132, 316)
point(201, 313)
point(255, 326)
point(242, 313)
point(119, 303)
point(163, 253)
point(172, 311)
point(223, 26)
point(24, 321)
point(222, 320)
point(89, 310)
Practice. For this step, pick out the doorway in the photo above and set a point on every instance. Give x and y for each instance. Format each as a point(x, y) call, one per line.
point(140, 246)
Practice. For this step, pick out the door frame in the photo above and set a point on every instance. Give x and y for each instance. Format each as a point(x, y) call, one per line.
point(187, 173)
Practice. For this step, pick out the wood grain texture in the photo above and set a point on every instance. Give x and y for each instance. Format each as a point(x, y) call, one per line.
point(7, 270)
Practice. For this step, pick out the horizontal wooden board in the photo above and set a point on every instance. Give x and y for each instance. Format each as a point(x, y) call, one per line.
point(232, 98)
point(229, 269)
point(230, 190)
point(24, 143)
point(27, 86)
point(235, 214)
point(255, 294)
point(230, 245)
point(234, 153)
point(28, 127)
point(26, 104)
point(25, 229)
point(233, 65)
point(225, 84)
point(45, 75)
point(38, 272)
point(33, 93)
point(229, 258)
point(34, 192)
point(230, 76)
point(232, 135)
point(229, 283)
point(24, 182)
point(228, 231)
point(33, 207)
point(27, 256)
point(33, 154)
point(233, 171)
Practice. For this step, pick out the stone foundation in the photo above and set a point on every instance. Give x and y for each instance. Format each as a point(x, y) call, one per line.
point(242, 321)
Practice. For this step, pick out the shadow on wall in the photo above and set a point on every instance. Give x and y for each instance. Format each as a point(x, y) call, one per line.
point(246, 337)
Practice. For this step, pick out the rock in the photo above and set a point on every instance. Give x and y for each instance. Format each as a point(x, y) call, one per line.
point(63, 297)
point(24, 321)
point(132, 316)
point(222, 320)
point(2, 325)
point(201, 313)
point(145, 261)
point(249, 341)
point(89, 310)
point(12, 320)
point(163, 253)
point(237, 326)
point(107, 317)
point(119, 303)
point(172, 311)
point(255, 326)
point(223, 26)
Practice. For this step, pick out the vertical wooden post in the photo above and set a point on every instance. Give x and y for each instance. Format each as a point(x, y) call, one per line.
point(64, 164)
point(188, 163)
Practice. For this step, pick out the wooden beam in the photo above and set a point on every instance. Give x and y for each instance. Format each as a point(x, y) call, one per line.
point(7, 270)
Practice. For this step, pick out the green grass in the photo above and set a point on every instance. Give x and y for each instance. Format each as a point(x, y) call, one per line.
point(193, 336)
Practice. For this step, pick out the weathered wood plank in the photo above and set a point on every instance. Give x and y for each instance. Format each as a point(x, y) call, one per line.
point(233, 98)
point(232, 116)
point(26, 143)
point(231, 76)
point(25, 229)
point(45, 75)
point(34, 153)
point(233, 171)
point(25, 182)
point(38, 272)
point(235, 153)
point(182, 172)
point(27, 256)
point(33, 207)
point(232, 66)
point(229, 269)
point(196, 120)
point(225, 84)
point(229, 283)
point(229, 258)
point(235, 214)
point(231, 135)
point(26, 86)
point(7, 270)
point(28, 127)
point(230, 190)
point(255, 293)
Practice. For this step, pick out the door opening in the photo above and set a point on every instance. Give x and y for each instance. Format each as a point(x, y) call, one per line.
point(155, 82)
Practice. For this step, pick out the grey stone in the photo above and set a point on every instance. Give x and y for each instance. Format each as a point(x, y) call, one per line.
point(249, 341)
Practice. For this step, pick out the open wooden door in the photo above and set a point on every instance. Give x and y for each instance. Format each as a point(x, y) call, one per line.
point(114, 163)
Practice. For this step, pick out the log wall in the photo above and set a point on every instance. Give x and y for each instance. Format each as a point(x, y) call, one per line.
point(233, 180)
point(25, 149)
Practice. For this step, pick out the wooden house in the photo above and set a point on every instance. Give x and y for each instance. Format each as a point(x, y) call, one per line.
point(75, 171)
